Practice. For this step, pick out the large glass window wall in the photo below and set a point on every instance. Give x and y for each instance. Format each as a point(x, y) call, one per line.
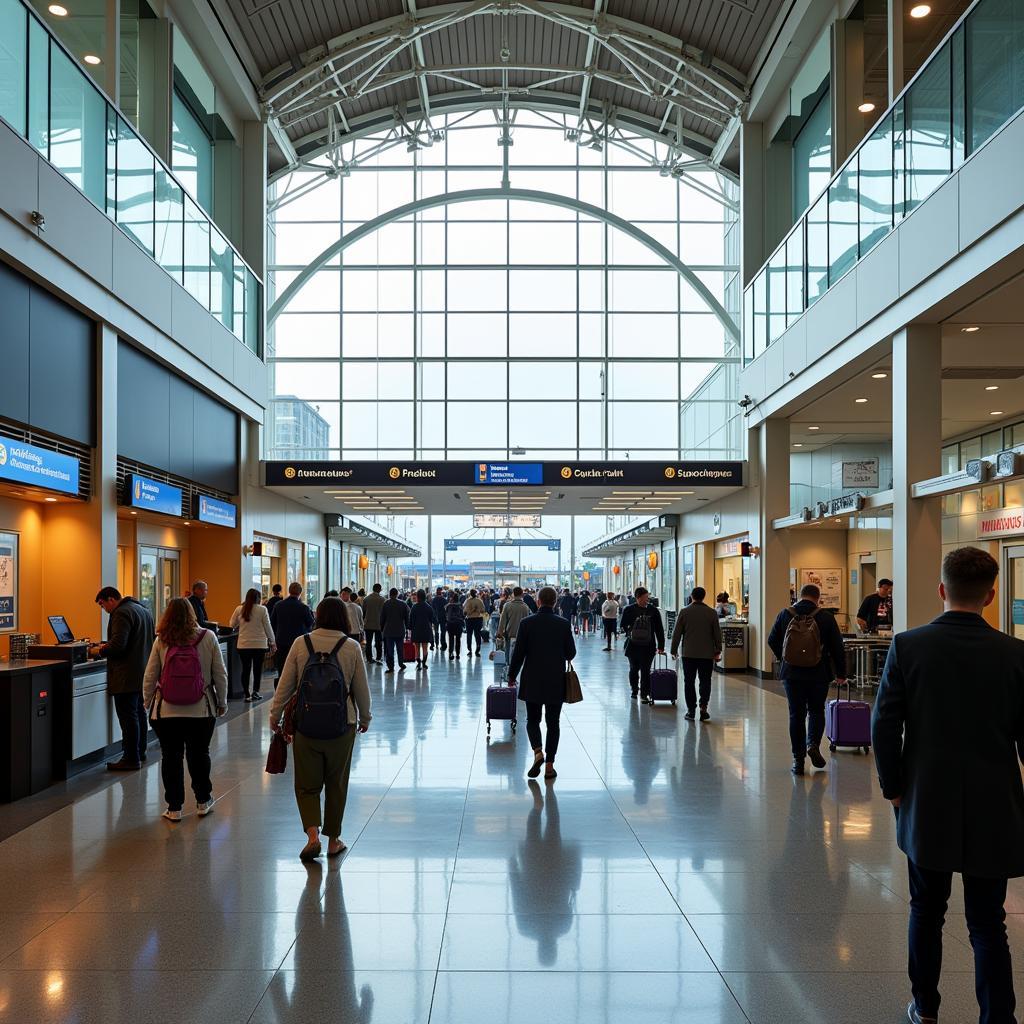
point(503, 327)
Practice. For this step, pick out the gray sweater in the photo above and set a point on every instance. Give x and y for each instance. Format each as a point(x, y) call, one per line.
point(698, 628)
point(214, 674)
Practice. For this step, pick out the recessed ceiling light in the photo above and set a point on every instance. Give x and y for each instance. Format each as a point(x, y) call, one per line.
point(866, 107)
point(992, 387)
point(969, 330)
point(186, 524)
point(860, 401)
point(797, 444)
point(996, 412)
point(879, 376)
point(58, 10)
point(814, 428)
point(920, 10)
point(135, 513)
point(51, 499)
point(91, 58)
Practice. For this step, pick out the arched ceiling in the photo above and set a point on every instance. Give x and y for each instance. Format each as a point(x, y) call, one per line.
point(672, 70)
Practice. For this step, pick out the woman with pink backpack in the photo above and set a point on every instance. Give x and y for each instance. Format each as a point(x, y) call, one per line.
point(186, 690)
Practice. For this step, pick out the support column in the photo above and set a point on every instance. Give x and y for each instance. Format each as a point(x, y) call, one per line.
point(106, 457)
point(916, 455)
point(769, 584)
point(752, 244)
point(897, 75)
point(254, 196)
point(430, 561)
point(111, 77)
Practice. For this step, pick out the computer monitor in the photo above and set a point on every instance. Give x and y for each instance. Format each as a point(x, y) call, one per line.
point(61, 629)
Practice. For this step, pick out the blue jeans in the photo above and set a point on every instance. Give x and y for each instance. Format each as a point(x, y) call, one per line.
point(393, 646)
point(806, 714)
point(131, 715)
point(993, 975)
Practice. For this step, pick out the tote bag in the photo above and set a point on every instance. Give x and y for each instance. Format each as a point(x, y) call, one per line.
point(573, 690)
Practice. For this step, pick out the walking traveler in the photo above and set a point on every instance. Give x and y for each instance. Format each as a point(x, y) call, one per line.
point(584, 611)
point(512, 615)
point(875, 612)
point(373, 605)
point(610, 620)
point(186, 691)
point(809, 646)
point(645, 637)
point(255, 638)
point(129, 642)
point(437, 604)
point(454, 619)
point(394, 621)
point(567, 605)
point(948, 732)
point(200, 592)
point(326, 669)
point(474, 611)
point(544, 647)
point(698, 631)
point(529, 600)
point(290, 620)
point(275, 597)
point(421, 622)
point(355, 614)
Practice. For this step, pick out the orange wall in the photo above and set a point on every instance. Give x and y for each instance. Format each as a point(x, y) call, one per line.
point(215, 555)
point(26, 519)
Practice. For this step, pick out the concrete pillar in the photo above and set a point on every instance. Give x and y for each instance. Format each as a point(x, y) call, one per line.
point(897, 74)
point(752, 243)
point(254, 196)
point(111, 76)
point(106, 455)
point(916, 447)
point(769, 584)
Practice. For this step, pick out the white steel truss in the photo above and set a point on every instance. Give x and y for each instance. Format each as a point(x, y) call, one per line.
point(680, 80)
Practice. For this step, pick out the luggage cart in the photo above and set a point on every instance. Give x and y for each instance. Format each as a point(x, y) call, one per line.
point(868, 656)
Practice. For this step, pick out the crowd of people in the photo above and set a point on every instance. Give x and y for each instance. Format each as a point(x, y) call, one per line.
point(953, 779)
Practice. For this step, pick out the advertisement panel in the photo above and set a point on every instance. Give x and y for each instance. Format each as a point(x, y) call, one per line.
point(215, 512)
point(152, 495)
point(38, 467)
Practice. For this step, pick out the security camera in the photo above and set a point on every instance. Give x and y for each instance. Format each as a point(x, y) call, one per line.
point(745, 402)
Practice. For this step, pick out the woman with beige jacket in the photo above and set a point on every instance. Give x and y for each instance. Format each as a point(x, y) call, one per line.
point(323, 765)
point(185, 730)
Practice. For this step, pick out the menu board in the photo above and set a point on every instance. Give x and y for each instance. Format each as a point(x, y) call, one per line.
point(8, 582)
point(829, 582)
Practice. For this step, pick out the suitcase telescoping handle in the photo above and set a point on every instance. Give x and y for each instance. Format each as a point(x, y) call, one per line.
point(849, 692)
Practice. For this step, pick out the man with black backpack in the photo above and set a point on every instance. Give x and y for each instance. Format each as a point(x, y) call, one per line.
point(645, 637)
point(809, 646)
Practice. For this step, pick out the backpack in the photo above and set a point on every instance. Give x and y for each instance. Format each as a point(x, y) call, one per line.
point(181, 678)
point(641, 633)
point(453, 614)
point(801, 646)
point(321, 705)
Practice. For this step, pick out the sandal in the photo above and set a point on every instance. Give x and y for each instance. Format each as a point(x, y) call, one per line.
point(550, 773)
point(338, 852)
point(538, 761)
point(310, 851)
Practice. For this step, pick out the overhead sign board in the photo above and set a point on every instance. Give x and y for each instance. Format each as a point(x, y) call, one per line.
point(215, 512)
point(1001, 522)
point(862, 473)
point(29, 464)
point(662, 476)
point(454, 543)
point(152, 495)
point(501, 520)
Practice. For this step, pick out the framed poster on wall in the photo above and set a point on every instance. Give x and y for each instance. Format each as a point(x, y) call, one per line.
point(829, 582)
point(8, 582)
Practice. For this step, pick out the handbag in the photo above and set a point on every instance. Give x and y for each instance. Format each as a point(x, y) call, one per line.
point(277, 756)
point(573, 690)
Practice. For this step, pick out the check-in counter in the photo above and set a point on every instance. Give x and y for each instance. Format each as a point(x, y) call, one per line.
point(33, 695)
point(93, 722)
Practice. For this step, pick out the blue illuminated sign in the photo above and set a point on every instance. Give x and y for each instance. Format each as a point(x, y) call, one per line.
point(153, 495)
point(38, 467)
point(510, 473)
point(217, 513)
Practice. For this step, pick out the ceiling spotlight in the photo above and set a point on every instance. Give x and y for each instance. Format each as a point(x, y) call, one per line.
point(860, 401)
point(597, 145)
point(920, 10)
point(797, 444)
point(814, 428)
point(51, 499)
point(58, 10)
point(91, 58)
point(866, 107)
point(969, 330)
point(992, 387)
point(879, 376)
point(997, 412)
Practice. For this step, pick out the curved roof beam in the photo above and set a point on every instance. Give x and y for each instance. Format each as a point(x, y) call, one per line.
point(529, 195)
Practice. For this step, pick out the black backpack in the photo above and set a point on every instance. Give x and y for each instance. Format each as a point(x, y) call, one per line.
point(641, 632)
point(454, 615)
point(321, 708)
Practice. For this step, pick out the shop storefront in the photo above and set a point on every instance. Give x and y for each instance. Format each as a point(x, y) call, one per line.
point(732, 573)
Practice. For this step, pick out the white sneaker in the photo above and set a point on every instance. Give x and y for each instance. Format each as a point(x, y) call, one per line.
point(204, 809)
point(172, 815)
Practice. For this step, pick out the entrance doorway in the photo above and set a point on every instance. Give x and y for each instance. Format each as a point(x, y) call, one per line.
point(159, 578)
point(1013, 610)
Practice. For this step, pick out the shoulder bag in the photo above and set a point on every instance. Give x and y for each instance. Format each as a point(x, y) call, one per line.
point(573, 690)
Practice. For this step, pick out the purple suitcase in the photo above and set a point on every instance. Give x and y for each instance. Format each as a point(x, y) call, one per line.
point(501, 705)
point(664, 684)
point(848, 723)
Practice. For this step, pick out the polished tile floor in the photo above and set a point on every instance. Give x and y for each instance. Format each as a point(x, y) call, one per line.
point(675, 872)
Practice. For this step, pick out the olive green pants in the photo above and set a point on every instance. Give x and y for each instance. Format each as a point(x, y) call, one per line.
point(322, 765)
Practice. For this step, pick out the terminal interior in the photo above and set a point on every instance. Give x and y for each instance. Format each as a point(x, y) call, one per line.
point(595, 296)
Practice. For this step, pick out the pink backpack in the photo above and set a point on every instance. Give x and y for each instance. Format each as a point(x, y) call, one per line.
point(181, 681)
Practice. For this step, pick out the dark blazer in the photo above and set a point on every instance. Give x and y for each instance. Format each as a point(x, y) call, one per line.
point(130, 633)
point(529, 601)
point(199, 607)
point(947, 730)
point(394, 617)
point(421, 622)
point(543, 645)
point(833, 656)
point(291, 619)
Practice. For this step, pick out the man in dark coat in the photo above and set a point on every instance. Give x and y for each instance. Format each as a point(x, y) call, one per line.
point(200, 592)
point(130, 633)
point(543, 647)
point(290, 620)
point(948, 733)
point(807, 687)
point(394, 621)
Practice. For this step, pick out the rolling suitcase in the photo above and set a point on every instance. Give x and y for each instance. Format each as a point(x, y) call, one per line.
point(848, 722)
point(664, 683)
point(408, 648)
point(501, 705)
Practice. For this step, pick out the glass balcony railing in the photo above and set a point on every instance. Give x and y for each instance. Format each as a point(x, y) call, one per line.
point(968, 89)
point(52, 103)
